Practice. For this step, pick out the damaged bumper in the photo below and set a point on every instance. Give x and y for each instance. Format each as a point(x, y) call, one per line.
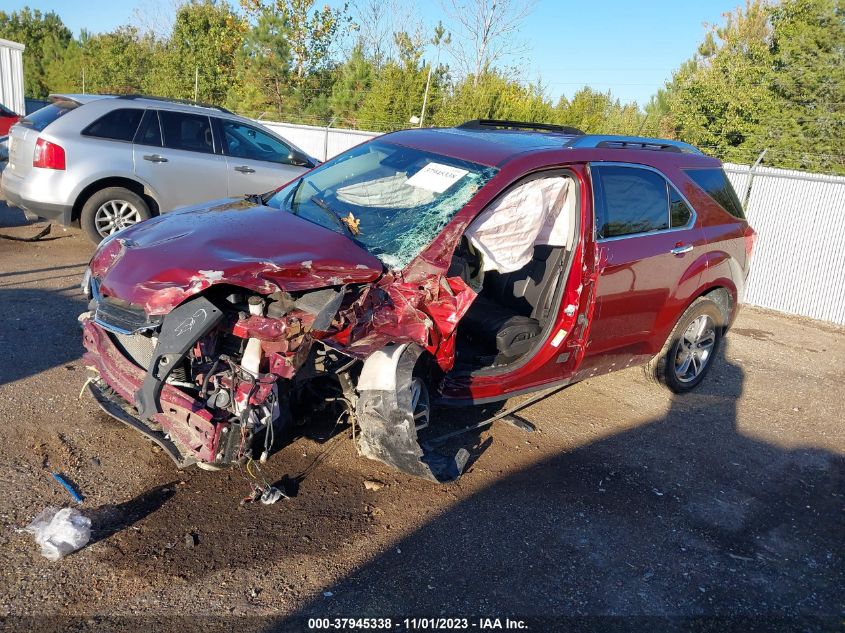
point(184, 426)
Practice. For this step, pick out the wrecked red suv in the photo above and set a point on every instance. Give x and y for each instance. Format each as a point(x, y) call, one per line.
point(458, 266)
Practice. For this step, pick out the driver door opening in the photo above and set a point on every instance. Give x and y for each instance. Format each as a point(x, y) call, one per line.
point(516, 255)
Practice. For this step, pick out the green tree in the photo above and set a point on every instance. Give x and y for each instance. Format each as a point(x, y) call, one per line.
point(808, 83)
point(771, 77)
point(311, 33)
point(494, 96)
point(262, 68)
point(351, 84)
point(397, 90)
point(205, 39)
point(63, 65)
point(44, 35)
point(597, 112)
point(720, 99)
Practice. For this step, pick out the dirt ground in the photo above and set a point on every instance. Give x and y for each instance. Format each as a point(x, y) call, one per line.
point(724, 504)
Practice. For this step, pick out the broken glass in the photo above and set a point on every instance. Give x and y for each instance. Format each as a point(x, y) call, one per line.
point(398, 198)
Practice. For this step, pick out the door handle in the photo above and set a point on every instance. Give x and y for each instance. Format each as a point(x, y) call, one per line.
point(680, 249)
point(245, 170)
point(155, 158)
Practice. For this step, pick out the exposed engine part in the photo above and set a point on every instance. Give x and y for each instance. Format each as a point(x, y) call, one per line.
point(251, 361)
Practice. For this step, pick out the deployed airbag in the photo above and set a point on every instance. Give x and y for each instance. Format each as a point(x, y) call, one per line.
point(390, 192)
point(538, 212)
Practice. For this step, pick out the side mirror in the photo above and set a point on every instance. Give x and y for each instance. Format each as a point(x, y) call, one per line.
point(300, 159)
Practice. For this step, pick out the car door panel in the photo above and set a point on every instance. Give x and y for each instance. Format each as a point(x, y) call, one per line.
point(256, 161)
point(557, 359)
point(246, 176)
point(645, 282)
point(172, 154)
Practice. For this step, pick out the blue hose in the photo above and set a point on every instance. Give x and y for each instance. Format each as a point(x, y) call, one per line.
point(67, 487)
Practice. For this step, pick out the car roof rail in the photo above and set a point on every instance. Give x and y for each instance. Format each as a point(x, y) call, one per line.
point(482, 124)
point(608, 141)
point(179, 101)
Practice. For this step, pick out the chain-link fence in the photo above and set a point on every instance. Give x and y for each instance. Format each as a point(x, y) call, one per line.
point(798, 264)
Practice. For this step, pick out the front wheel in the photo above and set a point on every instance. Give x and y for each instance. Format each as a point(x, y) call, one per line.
point(391, 410)
point(110, 210)
point(690, 349)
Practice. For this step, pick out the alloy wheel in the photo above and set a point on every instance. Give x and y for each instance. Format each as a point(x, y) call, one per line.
point(420, 404)
point(115, 215)
point(695, 349)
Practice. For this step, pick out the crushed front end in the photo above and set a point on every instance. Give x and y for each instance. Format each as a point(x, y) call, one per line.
point(212, 381)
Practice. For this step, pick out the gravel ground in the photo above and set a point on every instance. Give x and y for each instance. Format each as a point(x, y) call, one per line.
point(727, 503)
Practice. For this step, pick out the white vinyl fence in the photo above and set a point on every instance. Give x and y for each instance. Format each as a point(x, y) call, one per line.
point(319, 142)
point(798, 264)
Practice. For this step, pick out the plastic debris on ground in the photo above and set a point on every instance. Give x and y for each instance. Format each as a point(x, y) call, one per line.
point(271, 495)
point(60, 531)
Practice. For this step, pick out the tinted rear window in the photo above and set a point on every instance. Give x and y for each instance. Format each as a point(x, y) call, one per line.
point(635, 201)
point(119, 125)
point(716, 184)
point(190, 132)
point(40, 119)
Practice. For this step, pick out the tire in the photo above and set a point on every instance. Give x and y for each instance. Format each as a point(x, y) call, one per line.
point(111, 209)
point(388, 421)
point(691, 348)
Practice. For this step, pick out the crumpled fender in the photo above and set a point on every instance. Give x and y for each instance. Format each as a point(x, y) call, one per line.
point(385, 418)
point(396, 311)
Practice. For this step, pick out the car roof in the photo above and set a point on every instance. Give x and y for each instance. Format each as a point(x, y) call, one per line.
point(494, 145)
point(143, 100)
point(79, 98)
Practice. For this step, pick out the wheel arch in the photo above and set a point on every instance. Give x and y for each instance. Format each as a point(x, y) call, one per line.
point(114, 181)
point(724, 294)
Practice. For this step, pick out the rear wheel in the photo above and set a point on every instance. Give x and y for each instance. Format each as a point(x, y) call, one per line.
point(110, 210)
point(690, 349)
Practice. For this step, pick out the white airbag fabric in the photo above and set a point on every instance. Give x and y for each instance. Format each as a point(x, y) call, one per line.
point(537, 212)
point(390, 192)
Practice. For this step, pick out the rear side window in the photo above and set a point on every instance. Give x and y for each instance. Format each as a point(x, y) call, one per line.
point(715, 184)
point(634, 201)
point(117, 125)
point(679, 211)
point(149, 133)
point(190, 132)
point(40, 119)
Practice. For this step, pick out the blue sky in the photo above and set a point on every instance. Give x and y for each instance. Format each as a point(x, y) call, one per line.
point(629, 47)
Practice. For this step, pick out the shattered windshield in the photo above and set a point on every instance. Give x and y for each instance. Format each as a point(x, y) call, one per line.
point(390, 199)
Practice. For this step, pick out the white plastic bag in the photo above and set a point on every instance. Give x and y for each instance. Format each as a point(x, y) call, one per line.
point(60, 532)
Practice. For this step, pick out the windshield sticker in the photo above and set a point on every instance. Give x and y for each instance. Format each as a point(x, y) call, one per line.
point(436, 177)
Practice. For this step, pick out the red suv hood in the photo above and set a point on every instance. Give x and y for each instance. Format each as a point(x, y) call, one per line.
point(163, 261)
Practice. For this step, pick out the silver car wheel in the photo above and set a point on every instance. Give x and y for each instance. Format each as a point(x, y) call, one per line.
point(115, 215)
point(695, 349)
point(420, 403)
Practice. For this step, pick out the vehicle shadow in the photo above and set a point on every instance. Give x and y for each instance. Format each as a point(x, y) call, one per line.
point(10, 216)
point(107, 520)
point(35, 336)
point(685, 516)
